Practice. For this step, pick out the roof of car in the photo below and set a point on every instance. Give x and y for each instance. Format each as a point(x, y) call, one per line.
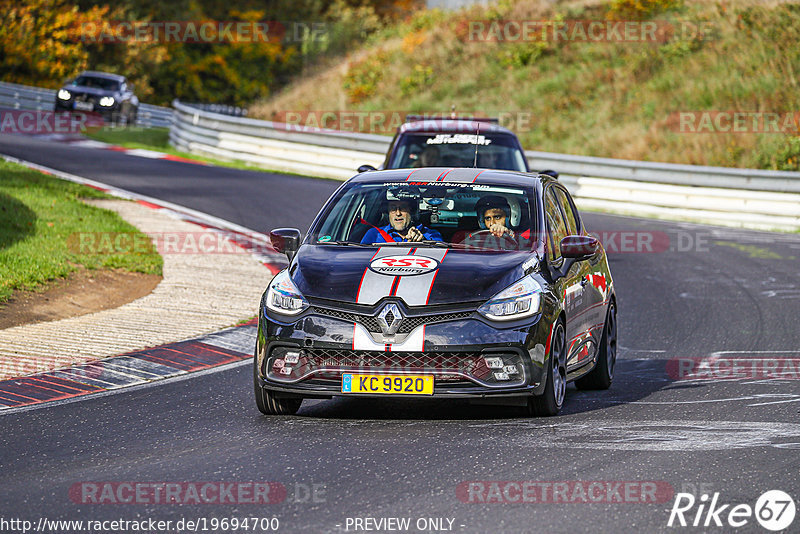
point(453, 175)
point(98, 74)
point(456, 125)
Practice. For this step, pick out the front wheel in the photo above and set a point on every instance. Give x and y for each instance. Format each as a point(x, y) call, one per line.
point(550, 402)
point(268, 404)
point(600, 377)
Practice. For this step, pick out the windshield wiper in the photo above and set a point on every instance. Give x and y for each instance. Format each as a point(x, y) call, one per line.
point(431, 243)
point(344, 243)
point(440, 244)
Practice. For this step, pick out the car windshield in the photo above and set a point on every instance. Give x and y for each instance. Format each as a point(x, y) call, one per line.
point(495, 151)
point(450, 215)
point(96, 82)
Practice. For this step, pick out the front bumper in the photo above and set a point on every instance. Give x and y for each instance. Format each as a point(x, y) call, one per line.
point(107, 112)
point(321, 349)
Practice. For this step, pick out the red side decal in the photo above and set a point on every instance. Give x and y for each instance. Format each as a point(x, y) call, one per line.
point(549, 337)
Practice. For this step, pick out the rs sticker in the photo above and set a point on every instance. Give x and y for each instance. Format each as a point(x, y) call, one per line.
point(403, 265)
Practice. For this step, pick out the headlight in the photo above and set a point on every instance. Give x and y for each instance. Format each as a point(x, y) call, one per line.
point(521, 299)
point(107, 101)
point(283, 297)
point(63, 94)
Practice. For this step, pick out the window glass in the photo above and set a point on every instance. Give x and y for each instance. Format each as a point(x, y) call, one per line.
point(555, 223)
point(450, 213)
point(495, 151)
point(572, 218)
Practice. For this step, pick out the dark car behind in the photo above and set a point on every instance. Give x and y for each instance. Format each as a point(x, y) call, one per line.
point(110, 95)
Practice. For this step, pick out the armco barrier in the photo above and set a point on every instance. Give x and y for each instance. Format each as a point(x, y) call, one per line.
point(748, 198)
point(14, 96)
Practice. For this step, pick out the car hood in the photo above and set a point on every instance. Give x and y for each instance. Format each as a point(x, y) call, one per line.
point(417, 276)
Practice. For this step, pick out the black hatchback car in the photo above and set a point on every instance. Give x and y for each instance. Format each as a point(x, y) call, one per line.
point(110, 95)
point(444, 282)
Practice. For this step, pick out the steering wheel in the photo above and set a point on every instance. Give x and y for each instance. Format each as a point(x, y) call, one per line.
point(483, 235)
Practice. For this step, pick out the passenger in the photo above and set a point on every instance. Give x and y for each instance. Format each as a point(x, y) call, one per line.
point(494, 214)
point(401, 227)
point(428, 157)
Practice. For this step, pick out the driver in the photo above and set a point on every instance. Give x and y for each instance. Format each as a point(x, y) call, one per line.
point(493, 213)
point(401, 227)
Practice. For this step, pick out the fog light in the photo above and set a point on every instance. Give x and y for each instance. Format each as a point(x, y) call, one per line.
point(286, 371)
point(292, 357)
point(494, 363)
point(502, 375)
point(510, 369)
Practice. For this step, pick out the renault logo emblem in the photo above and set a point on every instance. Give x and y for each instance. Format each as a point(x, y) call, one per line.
point(389, 319)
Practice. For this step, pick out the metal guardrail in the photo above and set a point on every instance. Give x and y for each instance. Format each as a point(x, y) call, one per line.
point(750, 198)
point(14, 96)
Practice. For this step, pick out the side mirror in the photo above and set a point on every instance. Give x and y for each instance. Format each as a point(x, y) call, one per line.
point(366, 168)
point(579, 246)
point(550, 172)
point(285, 241)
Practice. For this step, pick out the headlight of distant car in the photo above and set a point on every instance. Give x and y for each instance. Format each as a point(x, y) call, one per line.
point(283, 297)
point(107, 101)
point(63, 94)
point(521, 299)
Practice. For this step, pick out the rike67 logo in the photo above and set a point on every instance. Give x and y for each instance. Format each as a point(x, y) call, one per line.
point(774, 510)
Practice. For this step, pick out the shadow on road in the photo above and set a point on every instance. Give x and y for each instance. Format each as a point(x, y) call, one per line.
point(634, 380)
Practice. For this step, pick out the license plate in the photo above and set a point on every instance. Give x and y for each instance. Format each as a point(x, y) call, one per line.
point(388, 384)
point(85, 106)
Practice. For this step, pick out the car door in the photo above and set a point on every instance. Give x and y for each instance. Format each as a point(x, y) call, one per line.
point(592, 299)
point(568, 275)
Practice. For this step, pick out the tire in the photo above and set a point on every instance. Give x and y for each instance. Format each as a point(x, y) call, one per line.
point(268, 404)
point(550, 402)
point(603, 373)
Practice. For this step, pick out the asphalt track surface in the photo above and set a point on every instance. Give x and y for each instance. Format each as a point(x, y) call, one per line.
point(732, 292)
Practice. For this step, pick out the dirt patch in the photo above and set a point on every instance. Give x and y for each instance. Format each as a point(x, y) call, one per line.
point(84, 291)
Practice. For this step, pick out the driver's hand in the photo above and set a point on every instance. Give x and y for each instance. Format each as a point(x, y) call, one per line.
point(498, 230)
point(414, 234)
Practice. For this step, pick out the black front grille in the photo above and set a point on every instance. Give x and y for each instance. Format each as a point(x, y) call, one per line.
point(408, 324)
point(82, 97)
point(315, 364)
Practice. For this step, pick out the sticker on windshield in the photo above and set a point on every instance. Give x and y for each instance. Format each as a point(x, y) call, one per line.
point(403, 265)
point(324, 238)
point(461, 139)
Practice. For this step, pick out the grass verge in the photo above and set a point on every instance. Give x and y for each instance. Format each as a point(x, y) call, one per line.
point(40, 216)
point(574, 95)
